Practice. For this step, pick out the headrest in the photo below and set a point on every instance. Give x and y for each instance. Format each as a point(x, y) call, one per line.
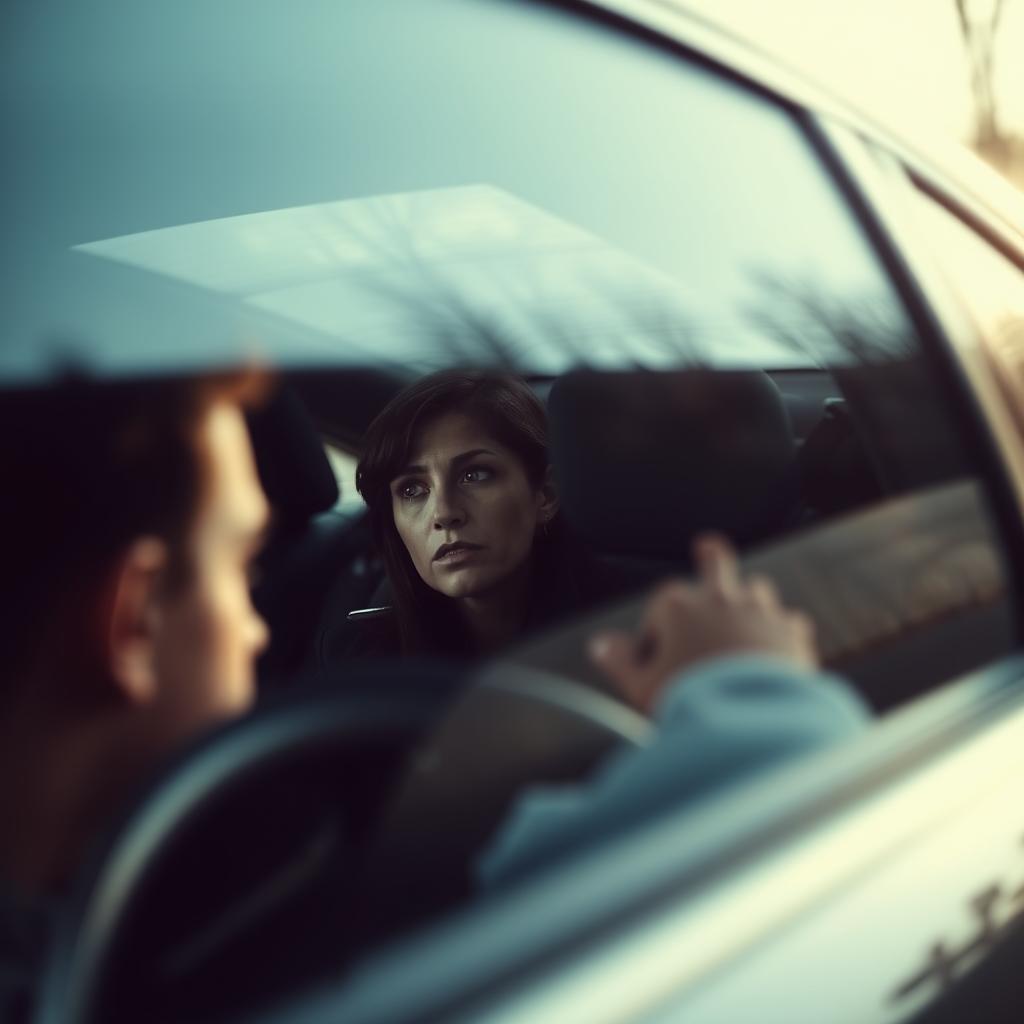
point(290, 456)
point(644, 460)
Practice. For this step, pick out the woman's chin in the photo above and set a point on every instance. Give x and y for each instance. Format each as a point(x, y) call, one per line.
point(462, 583)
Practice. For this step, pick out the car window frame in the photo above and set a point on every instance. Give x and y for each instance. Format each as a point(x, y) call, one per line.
point(948, 333)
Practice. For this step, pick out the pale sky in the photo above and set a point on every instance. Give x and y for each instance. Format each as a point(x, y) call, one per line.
point(902, 59)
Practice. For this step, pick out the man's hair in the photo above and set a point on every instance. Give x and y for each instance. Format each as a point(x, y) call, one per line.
point(88, 468)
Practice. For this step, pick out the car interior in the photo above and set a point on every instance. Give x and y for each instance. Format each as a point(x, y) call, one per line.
point(779, 453)
point(350, 810)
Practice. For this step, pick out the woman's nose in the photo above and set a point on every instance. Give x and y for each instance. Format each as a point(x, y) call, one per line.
point(448, 514)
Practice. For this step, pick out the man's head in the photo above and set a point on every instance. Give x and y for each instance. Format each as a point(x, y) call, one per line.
point(133, 511)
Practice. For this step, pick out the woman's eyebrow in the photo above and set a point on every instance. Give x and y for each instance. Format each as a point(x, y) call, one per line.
point(456, 461)
point(471, 454)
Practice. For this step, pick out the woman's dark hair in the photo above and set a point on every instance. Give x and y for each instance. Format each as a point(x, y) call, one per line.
point(508, 411)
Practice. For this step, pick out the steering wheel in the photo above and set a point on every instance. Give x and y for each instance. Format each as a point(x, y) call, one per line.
point(224, 882)
point(275, 849)
point(512, 727)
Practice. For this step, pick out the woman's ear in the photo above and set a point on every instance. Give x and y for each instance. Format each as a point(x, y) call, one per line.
point(133, 619)
point(548, 504)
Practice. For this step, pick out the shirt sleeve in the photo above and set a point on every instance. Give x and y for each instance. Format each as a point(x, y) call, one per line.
point(719, 723)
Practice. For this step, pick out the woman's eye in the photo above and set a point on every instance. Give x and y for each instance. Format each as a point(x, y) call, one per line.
point(477, 475)
point(411, 490)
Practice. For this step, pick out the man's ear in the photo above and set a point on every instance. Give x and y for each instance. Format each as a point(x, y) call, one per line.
point(132, 620)
point(548, 506)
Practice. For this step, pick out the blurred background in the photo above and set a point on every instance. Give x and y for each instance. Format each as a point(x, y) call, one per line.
point(950, 66)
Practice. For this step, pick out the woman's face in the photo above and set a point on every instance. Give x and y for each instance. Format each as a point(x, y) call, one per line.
point(465, 509)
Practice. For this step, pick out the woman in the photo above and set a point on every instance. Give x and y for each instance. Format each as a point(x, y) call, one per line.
point(455, 474)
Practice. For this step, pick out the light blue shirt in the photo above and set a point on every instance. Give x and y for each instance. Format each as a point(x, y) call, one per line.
point(719, 723)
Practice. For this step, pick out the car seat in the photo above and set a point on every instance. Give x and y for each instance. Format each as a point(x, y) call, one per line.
point(311, 544)
point(645, 460)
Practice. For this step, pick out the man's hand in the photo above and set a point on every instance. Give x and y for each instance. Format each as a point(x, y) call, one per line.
point(684, 623)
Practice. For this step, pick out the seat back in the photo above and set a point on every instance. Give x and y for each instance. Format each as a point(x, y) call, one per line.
point(310, 544)
point(645, 460)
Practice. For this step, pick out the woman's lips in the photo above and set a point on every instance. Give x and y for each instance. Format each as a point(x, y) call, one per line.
point(457, 554)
